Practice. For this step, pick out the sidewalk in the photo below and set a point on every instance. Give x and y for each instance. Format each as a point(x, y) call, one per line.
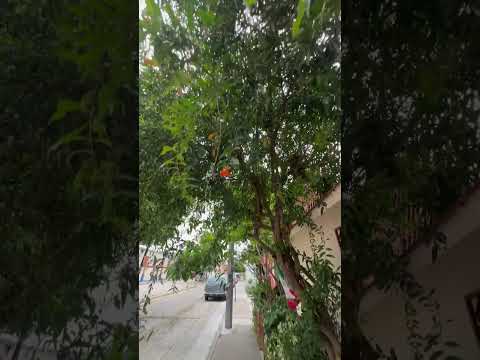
point(159, 289)
point(238, 343)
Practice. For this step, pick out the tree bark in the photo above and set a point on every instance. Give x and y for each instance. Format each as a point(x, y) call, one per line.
point(333, 348)
point(291, 276)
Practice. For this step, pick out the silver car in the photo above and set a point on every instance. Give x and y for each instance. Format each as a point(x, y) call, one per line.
point(216, 287)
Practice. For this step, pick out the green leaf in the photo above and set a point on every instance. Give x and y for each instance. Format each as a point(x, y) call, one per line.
point(250, 3)
point(298, 20)
point(151, 8)
point(171, 14)
point(166, 149)
point(307, 7)
point(207, 17)
point(64, 107)
point(70, 137)
point(105, 103)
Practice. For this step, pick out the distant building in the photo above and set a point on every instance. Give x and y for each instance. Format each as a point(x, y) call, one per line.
point(147, 260)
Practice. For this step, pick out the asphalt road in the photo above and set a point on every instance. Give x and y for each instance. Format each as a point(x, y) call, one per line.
point(184, 326)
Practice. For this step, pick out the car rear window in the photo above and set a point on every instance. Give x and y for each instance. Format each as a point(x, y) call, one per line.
point(214, 280)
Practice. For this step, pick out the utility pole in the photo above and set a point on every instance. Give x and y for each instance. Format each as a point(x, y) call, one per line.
point(229, 308)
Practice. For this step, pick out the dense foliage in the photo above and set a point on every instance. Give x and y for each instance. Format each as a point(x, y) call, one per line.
point(68, 168)
point(199, 257)
point(287, 335)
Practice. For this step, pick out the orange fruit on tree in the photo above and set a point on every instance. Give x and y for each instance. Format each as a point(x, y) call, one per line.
point(226, 172)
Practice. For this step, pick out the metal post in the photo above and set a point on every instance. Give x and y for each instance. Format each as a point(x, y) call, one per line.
point(229, 308)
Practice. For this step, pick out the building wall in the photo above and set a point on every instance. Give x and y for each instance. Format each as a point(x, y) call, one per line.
point(146, 264)
point(455, 275)
point(327, 223)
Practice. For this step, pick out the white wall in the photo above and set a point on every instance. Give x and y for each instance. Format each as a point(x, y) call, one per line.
point(455, 275)
point(327, 222)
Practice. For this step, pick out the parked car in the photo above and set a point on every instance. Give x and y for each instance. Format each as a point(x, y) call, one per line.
point(216, 287)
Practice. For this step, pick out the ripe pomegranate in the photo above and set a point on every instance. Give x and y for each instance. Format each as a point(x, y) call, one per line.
point(225, 172)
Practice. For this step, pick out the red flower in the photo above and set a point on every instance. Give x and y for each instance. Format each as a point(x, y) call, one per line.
point(292, 304)
point(225, 172)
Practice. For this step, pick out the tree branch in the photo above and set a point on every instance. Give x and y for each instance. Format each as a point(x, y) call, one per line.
point(265, 246)
point(256, 183)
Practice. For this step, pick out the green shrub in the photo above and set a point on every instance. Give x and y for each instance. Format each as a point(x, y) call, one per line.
point(277, 313)
point(288, 337)
point(292, 337)
point(258, 293)
point(295, 338)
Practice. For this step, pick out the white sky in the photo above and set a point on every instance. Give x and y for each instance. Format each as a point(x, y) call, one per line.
point(141, 6)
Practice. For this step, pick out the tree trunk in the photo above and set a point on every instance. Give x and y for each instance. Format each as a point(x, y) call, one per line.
point(291, 277)
point(333, 348)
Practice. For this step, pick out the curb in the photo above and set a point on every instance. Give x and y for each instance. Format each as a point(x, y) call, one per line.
point(213, 345)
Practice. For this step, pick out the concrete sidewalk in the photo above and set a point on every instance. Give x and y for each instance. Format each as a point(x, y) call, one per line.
point(159, 289)
point(238, 343)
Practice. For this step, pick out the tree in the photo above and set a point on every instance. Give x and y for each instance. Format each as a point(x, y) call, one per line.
point(253, 115)
point(162, 205)
point(197, 257)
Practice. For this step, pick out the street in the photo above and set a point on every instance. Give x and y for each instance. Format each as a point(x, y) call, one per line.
point(184, 326)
